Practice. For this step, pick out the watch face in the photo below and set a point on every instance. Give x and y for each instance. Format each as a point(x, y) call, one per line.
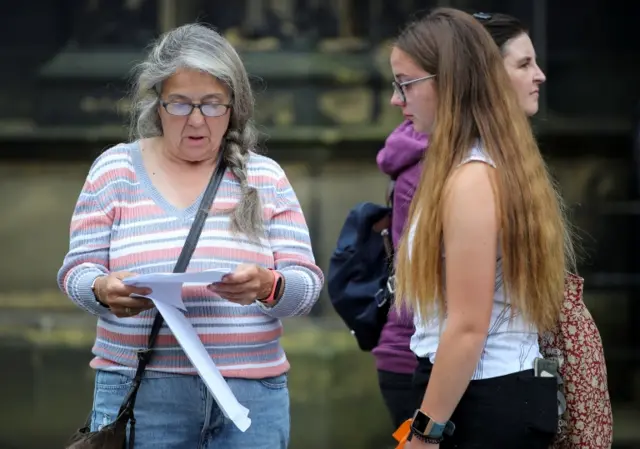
point(420, 422)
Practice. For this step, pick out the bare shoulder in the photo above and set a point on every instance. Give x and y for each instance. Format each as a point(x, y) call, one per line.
point(470, 195)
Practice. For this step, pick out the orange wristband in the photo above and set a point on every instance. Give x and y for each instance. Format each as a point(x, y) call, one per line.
point(277, 282)
point(402, 433)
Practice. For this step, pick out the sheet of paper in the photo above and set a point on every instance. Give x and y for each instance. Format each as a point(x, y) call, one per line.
point(167, 297)
point(195, 350)
point(166, 287)
point(198, 277)
point(169, 294)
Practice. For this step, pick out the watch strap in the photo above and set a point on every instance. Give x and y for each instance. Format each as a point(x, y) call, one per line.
point(277, 282)
point(449, 428)
point(424, 439)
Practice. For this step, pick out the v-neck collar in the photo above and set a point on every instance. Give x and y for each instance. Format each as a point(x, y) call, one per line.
point(150, 189)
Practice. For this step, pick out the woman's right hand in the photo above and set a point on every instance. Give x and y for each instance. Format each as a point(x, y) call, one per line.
point(113, 293)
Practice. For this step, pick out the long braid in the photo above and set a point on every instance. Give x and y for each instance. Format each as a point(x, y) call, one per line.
point(247, 216)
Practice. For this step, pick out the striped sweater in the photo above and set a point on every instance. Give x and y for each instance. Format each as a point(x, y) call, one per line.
point(122, 223)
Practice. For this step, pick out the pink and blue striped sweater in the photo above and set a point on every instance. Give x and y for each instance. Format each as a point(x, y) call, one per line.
point(122, 223)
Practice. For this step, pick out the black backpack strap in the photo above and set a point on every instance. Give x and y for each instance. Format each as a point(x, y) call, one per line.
point(386, 233)
point(144, 355)
point(387, 239)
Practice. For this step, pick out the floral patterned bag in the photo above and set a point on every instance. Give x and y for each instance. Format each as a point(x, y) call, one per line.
point(575, 343)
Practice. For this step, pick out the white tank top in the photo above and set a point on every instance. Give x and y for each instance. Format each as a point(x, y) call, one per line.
point(511, 346)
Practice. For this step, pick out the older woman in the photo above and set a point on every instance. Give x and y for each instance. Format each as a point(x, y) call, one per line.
point(192, 101)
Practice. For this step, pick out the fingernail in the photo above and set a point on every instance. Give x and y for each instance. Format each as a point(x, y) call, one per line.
point(147, 291)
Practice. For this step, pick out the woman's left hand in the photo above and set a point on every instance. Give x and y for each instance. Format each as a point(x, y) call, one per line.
point(246, 284)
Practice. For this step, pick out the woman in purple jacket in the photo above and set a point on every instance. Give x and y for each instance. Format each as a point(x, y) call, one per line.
point(400, 159)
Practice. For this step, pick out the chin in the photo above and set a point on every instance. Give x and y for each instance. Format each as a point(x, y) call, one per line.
point(532, 109)
point(417, 126)
point(195, 155)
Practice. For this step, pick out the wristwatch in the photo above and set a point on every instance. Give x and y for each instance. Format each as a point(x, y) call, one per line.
point(275, 289)
point(425, 428)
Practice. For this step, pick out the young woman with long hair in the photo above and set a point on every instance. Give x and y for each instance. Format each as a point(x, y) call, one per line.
point(401, 159)
point(484, 258)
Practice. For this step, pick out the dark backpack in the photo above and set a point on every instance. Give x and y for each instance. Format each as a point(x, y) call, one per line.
point(359, 279)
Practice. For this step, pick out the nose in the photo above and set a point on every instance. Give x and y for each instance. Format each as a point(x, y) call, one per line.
point(539, 76)
point(396, 99)
point(196, 118)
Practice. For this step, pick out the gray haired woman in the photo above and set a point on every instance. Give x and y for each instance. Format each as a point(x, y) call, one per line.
point(192, 100)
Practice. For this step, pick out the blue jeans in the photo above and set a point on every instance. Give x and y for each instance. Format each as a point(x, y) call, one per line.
point(179, 412)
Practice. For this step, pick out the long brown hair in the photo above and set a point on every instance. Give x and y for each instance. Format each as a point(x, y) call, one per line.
point(476, 101)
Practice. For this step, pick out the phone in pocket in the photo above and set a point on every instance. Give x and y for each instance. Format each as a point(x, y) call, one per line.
point(545, 368)
point(550, 368)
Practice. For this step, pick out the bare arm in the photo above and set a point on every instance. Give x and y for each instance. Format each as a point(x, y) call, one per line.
point(470, 241)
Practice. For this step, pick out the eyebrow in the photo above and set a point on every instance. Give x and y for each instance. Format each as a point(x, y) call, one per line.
point(398, 76)
point(220, 97)
point(523, 59)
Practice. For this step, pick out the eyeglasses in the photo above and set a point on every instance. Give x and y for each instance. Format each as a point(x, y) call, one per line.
point(185, 109)
point(398, 88)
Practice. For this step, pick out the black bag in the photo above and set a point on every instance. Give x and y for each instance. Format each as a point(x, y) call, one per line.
point(114, 435)
point(359, 279)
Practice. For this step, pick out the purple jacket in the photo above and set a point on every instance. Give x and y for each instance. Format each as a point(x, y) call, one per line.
point(401, 160)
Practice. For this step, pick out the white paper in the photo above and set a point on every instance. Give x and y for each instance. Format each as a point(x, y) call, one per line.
point(169, 294)
point(167, 297)
point(199, 277)
point(188, 339)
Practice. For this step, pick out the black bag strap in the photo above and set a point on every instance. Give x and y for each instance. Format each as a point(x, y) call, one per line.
point(144, 355)
point(386, 234)
point(387, 240)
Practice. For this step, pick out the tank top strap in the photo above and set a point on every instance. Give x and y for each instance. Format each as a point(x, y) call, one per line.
point(477, 154)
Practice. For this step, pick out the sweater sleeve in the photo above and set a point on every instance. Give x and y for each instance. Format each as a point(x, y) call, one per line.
point(89, 240)
point(293, 255)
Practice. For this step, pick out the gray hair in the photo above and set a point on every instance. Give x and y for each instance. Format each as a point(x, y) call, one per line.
point(198, 47)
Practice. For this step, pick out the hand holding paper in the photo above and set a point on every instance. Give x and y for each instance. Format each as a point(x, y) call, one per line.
point(122, 300)
point(245, 284)
point(167, 287)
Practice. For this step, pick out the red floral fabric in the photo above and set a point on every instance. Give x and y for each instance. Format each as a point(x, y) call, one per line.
point(588, 421)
